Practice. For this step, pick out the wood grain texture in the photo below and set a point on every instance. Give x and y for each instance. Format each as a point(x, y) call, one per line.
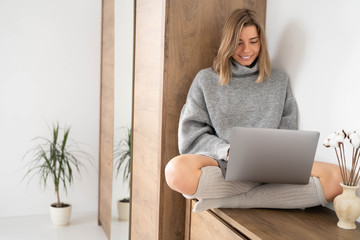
point(106, 117)
point(207, 225)
point(188, 212)
point(174, 40)
point(316, 223)
point(148, 75)
point(192, 38)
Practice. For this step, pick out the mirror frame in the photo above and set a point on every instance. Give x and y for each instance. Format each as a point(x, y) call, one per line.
point(106, 117)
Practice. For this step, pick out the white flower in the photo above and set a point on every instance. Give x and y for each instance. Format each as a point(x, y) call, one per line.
point(336, 140)
point(348, 133)
point(355, 139)
point(331, 141)
point(340, 136)
point(332, 135)
point(326, 142)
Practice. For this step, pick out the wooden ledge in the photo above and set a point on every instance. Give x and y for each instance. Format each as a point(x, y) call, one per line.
point(312, 223)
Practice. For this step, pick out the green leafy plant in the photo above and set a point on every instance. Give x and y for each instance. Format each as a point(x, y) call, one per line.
point(122, 157)
point(55, 160)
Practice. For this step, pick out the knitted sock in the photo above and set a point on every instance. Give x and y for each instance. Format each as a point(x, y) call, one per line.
point(213, 185)
point(285, 196)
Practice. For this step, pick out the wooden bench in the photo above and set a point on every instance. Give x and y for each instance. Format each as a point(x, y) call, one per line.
point(313, 223)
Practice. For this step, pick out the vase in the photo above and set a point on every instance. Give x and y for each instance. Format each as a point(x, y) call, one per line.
point(347, 207)
point(60, 216)
point(123, 209)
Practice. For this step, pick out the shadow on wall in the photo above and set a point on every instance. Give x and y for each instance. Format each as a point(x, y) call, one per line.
point(291, 50)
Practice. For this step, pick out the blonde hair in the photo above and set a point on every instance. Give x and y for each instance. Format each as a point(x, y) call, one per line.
point(237, 20)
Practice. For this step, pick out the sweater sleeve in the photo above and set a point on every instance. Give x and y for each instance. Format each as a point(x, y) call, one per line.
point(289, 118)
point(196, 133)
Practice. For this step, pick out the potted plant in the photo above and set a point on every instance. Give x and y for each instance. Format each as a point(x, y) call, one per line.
point(122, 158)
point(54, 160)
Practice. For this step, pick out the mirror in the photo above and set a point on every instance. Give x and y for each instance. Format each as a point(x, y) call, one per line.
point(123, 67)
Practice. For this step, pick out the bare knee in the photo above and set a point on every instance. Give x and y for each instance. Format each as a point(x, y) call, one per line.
point(173, 172)
point(180, 176)
point(330, 178)
point(182, 173)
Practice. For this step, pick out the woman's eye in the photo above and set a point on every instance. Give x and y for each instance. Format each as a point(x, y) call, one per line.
point(254, 42)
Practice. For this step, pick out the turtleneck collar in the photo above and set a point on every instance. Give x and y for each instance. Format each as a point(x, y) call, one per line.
point(239, 70)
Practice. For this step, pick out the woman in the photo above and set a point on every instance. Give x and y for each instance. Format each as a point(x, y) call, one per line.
point(240, 89)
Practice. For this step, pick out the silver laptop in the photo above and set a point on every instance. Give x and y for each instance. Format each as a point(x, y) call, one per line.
point(271, 155)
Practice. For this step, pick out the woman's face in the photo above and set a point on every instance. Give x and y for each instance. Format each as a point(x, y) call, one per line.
point(249, 46)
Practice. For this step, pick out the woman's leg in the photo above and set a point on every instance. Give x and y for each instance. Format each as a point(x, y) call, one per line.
point(282, 196)
point(198, 176)
point(183, 172)
point(322, 188)
point(330, 177)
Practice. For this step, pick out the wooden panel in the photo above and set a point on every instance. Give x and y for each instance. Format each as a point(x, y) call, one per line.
point(148, 74)
point(106, 117)
point(173, 40)
point(206, 225)
point(193, 31)
point(188, 212)
point(313, 223)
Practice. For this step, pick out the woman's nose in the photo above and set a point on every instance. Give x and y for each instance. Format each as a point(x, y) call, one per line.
point(246, 47)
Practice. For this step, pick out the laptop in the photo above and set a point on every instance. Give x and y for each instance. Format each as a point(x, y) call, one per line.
point(271, 155)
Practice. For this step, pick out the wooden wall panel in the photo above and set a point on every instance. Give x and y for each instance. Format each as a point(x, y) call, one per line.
point(106, 117)
point(192, 40)
point(174, 40)
point(148, 74)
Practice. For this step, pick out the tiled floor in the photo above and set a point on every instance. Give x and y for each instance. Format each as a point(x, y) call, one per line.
point(82, 226)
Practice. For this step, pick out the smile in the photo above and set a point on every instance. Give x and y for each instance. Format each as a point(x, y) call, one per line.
point(245, 57)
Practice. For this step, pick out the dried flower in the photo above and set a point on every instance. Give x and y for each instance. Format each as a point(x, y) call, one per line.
point(340, 136)
point(326, 142)
point(336, 140)
point(354, 139)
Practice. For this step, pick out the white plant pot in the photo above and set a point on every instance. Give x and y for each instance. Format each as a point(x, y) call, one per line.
point(60, 216)
point(123, 210)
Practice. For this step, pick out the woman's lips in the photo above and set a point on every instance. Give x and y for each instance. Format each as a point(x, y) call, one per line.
point(245, 57)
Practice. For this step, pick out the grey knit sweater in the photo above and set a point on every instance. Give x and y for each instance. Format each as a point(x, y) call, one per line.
point(211, 110)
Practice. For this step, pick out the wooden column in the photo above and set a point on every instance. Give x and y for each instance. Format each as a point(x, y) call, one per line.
point(106, 117)
point(174, 39)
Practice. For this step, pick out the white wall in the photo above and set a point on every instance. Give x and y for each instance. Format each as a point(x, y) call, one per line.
point(50, 58)
point(124, 29)
point(50, 71)
point(317, 43)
